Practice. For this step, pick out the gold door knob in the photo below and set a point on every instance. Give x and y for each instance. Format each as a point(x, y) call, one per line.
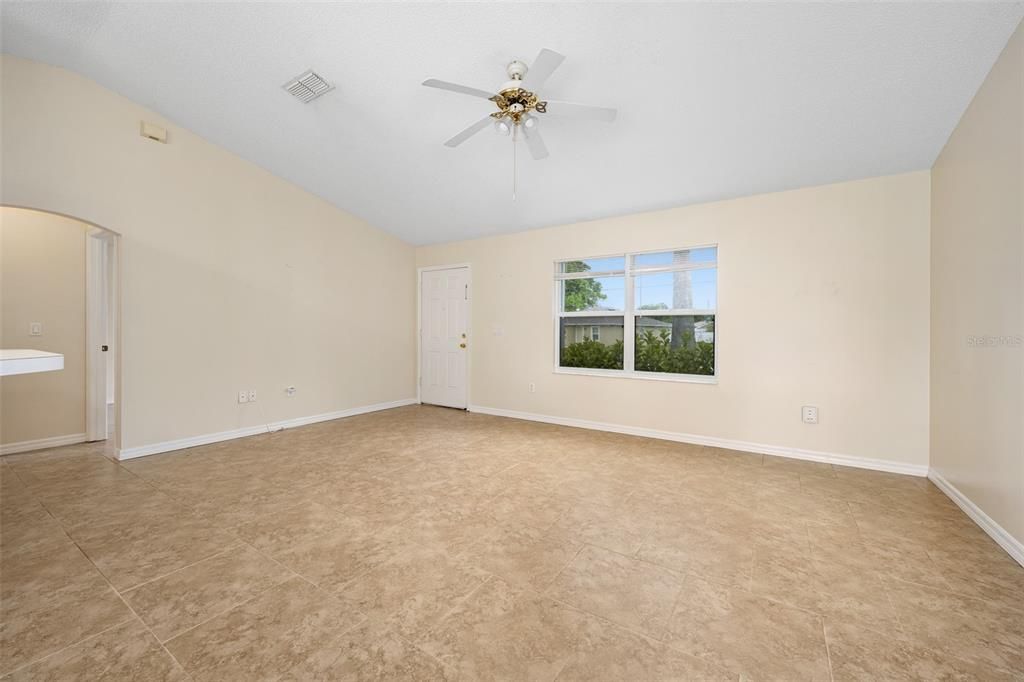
point(462, 345)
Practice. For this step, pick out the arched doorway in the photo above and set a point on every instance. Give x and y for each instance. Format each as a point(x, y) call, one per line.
point(32, 294)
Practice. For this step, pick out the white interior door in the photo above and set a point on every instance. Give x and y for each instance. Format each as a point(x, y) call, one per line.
point(444, 336)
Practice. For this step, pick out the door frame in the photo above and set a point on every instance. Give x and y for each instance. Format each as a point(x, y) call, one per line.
point(419, 327)
point(100, 311)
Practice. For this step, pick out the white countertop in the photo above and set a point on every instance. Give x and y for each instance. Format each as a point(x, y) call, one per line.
point(28, 360)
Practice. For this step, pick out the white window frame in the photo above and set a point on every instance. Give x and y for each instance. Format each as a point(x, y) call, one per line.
point(629, 313)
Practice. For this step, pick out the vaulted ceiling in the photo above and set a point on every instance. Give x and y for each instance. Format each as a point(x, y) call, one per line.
point(714, 100)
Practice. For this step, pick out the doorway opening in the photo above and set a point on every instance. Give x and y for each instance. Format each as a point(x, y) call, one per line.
point(61, 301)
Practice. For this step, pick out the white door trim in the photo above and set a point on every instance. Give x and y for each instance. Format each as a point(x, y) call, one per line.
point(419, 326)
point(99, 265)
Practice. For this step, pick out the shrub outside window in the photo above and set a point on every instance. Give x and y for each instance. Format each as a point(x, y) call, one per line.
point(642, 315)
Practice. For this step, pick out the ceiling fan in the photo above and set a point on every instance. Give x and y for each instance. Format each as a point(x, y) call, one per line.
point(519, 105)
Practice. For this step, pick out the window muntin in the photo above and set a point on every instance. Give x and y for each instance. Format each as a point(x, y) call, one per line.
point(591, 266)
point(656, 317)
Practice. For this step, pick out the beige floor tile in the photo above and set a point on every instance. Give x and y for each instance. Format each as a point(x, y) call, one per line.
point(522, 556)
point(861, 654)
point(29, 529)
point(386, 504)
point(535, 508)
point(125, 652)
point(799, 466)
point(909, 563)
point(620, 528)
point(499, 632)
point(402, 513)
point(66, 469)
point(336, 558)
point(453, 523)
point(369, 652)
point(748, 635)
point(722, 555)
point(130, 552)
point(232, 502)
point(191, 595)
point(614, 655)
point(49, 600)
point(290, 527)
point(266, 637)
point(632, 593)
point(90, 507)
point(413, 590)
point(982, 570)
point(981, 631)
point(791, 576)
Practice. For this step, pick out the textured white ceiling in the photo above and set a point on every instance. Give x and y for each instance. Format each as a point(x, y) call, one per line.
point(715, 100)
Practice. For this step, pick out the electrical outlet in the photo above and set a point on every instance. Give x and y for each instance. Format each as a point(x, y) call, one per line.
point(243, 397)
point(809, 414)
point(252, 396)
point(533, 387)
point(35, 328)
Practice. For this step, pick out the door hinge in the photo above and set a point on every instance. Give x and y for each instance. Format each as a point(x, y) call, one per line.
point(466, 290)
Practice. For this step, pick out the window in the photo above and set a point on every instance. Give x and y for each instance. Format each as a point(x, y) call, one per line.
point(644, 314)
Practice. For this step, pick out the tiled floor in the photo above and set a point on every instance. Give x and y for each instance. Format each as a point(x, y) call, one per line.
point(424, 543)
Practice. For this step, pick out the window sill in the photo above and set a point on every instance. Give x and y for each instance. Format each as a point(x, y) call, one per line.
point(647, 376)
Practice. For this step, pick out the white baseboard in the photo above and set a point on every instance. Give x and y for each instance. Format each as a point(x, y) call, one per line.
point(774, 450)
point(1013, 546)
point(42, 443)
point(206, 439)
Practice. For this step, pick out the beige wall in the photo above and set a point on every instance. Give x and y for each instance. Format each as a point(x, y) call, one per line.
point(977, 392)
point(231, 278)
point(823, 300)
point(42, 279)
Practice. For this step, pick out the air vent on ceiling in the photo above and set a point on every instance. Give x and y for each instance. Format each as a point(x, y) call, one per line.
point(308, 86)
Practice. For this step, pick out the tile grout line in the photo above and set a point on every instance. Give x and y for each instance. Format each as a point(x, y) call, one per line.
point(828, 653)
point(215, 555)
point(104, 578)
point(294, 575)
point(134, 613)
point(28, 664)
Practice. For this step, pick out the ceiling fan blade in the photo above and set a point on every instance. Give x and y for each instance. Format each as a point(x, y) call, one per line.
point(535, 143)
point(580, 111)
point(542, 68)
point(455, 87)
point(469, 132)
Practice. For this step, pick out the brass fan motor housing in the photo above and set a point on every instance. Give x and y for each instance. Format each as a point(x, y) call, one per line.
point(515, 103)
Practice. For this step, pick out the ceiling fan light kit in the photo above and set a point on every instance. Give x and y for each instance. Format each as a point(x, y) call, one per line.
point(518, 105)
